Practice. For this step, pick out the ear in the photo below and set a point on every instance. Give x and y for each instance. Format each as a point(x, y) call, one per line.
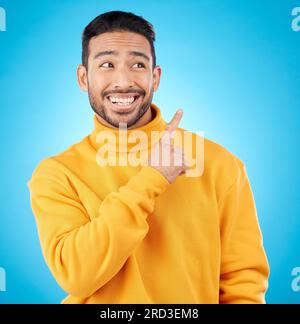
point(156, 77)
point(82, 77)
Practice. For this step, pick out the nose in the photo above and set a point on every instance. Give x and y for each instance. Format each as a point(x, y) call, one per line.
point(122, 80)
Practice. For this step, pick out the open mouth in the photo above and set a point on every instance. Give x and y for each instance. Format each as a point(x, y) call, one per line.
point(124, 103)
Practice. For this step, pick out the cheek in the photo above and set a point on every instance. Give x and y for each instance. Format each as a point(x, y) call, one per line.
point(97, 83)
point(96, 77)
point(146, 82)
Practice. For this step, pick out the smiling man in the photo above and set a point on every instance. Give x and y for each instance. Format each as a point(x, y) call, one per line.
point(148, 232)
point(129, 76)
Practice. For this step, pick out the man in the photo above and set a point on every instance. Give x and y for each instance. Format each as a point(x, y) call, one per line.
point(150, 232)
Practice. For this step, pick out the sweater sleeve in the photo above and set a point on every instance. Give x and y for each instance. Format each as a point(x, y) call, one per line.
point(244, 266)
point(84, 254)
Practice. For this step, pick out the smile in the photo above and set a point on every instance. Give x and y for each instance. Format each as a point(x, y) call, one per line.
point(123, 103)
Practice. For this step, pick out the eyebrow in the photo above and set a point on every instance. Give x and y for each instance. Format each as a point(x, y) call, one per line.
point(132, 53)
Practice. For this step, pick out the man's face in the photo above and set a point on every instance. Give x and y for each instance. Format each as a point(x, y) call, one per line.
point(120, 78)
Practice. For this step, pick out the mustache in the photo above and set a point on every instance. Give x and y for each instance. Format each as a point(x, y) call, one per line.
point(140, 92)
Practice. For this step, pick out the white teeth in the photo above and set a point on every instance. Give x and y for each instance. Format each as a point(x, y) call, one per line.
point(122, 101)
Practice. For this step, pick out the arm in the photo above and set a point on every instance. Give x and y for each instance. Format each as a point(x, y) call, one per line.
point(84, 254)
point(244, 267)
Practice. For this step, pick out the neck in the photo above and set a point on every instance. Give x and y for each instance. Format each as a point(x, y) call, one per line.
point(145, 119)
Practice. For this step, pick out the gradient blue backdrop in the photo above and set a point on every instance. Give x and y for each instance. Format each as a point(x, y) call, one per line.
point(233, 66)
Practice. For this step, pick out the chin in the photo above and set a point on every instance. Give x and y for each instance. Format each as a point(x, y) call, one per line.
point(124, 118)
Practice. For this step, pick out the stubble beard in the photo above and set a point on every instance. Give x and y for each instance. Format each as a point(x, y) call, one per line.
point(100, 110)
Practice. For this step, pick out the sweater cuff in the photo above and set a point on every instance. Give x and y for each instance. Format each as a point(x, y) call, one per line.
point(148, 181)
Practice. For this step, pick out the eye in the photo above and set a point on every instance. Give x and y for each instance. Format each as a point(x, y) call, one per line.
point(139, 65)
point(106, 65)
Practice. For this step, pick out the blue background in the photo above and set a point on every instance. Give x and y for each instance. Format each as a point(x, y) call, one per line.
point(233, 66)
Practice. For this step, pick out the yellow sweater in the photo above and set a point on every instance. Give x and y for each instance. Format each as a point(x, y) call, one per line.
point(121, 234)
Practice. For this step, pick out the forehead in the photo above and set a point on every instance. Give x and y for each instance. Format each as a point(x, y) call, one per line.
point(119, 40)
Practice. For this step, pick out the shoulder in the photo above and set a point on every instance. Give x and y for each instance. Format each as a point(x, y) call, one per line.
point(215, 155)
point(58, 168)
point(221, 167)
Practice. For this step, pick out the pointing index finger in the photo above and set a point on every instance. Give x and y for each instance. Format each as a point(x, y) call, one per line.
point(172, 126)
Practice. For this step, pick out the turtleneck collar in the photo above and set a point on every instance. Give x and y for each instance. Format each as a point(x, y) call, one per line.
point(117, 140)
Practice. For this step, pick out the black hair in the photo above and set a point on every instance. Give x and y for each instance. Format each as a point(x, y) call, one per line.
point(117, 21)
